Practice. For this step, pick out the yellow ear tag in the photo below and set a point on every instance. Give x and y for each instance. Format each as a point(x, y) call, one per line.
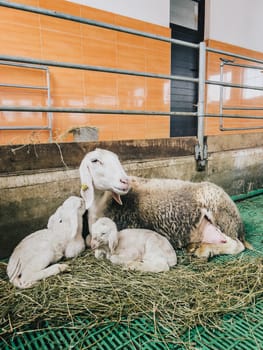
point(84, 187)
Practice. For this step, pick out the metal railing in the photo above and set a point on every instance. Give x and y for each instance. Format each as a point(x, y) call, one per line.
point(31, 87)
point(227, 62)
point(201, 80)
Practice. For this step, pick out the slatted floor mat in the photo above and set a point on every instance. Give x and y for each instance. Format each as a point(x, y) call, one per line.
point(242, 331)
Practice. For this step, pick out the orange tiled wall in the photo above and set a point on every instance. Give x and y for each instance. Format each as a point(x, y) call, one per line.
point(233, 96)
point(42, 37)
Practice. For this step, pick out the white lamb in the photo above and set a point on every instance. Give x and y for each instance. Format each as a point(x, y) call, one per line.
point(33, 257)
point(137, 249)
point(199, 216)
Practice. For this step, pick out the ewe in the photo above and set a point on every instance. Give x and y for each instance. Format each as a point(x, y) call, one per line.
point(200, 216)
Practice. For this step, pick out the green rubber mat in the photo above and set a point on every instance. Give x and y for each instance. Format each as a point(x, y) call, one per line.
point(243, 331)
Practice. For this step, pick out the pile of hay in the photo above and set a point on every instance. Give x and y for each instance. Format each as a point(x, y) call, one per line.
point(192, 293)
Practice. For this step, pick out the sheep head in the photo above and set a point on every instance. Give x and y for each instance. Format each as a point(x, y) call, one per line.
point(102, 170)
point(104, 235)
point(69, 216)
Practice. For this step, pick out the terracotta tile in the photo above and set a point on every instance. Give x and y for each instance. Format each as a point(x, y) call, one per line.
point(97, 15)
point(60, 47)
point(34, 3)
point(23, 137)
point(158, 127)
point(100, 90)
point(17, 41)
point(58, 24)
point(99, 53)
point(22, 76)
point(131, 23)
point(131, 92)
point(131, 40)
point(131, 58)
point(103, 34)
point(158, 95)
point(158, 64)
point(65, 81)
point(158, 30)
point(61, 6)
point(9, 15)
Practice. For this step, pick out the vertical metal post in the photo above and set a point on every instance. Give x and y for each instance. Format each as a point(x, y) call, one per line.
point(49, 114)
point(200, 151)
point(221, 96)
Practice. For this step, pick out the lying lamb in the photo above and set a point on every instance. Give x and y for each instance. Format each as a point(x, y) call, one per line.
point(201, 215)
point(31, 258)
point(137, 249)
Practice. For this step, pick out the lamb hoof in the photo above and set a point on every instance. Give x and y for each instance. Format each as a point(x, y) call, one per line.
point(64, 267)
point(192, 247)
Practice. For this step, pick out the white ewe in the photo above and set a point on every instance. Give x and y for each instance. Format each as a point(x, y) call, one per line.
point(138, 249)
point(31, 258)
point(201, 215)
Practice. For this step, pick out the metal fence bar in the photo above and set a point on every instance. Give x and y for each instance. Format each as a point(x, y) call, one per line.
point(251, 128)
point(243, 108)
point(26, 61)
point(24, 127)
point(227, 63)
point(239, 86)
point(94, 23)
point(24, 86)
point(200, 152)
point(110, 111)
point(243, 86)
point(33, 66)
point(247, 58)
point(96, 68)
point(91, 110)
point(233, 116)
point(35, 87)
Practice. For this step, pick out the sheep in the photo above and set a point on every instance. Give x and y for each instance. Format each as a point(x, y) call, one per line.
point(198, 216)
point(136, 249)
point(31, 258)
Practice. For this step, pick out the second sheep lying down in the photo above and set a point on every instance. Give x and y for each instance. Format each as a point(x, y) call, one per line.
point(136, 249)
point(34, 257)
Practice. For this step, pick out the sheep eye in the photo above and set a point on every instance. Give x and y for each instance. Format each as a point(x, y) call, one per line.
point(60, 220)
point(96, 161)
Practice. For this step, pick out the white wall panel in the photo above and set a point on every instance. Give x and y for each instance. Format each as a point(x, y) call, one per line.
point(153, 11)
point(237, 22)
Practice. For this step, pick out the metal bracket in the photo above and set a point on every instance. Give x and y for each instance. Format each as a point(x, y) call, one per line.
point(201, 156)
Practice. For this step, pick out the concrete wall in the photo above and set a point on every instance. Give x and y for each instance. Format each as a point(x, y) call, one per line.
point(36, 179)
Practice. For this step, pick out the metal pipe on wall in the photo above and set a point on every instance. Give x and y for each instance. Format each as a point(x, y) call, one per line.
point(96, 68)
point(231, 54)
point(78, 19)
point(200, 151)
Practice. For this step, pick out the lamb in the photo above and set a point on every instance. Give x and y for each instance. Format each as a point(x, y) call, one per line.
point(31, 258)
point(137, 249)
point(200, 216)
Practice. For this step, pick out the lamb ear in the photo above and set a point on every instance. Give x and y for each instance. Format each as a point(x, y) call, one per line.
point(75, 221)
point(113, 241)
point(87, 189)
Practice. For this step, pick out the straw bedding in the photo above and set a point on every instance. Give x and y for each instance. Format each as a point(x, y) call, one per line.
point(191, 293)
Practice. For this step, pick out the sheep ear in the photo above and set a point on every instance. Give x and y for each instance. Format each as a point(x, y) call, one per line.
point(87, 190)
point(75, 220)
point(113, 241)
point(54, 218)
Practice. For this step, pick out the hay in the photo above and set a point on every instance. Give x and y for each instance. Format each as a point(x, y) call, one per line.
point(192, 293)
